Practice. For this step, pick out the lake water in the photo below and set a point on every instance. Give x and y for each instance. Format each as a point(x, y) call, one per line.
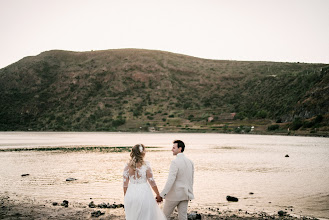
point(225, 164)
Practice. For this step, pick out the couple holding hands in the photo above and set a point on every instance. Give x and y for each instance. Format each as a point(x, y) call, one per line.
point(139, 201)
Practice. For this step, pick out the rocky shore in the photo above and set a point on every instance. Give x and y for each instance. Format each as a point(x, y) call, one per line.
point(15, 207)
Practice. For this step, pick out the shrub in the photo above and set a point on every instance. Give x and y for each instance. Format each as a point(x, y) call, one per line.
point(187, 105)
point(296, 124)
point(261, 114)
point(273, 127)
point(247, 129)
point(171, 116)
point(237, 130)
point(137, 112)
point(190, 117)
point(240, 115)
point(118, 122)
point(314, 123)
point(150, 117)
point(308, 124)
point(318, 119)
point(206, 102)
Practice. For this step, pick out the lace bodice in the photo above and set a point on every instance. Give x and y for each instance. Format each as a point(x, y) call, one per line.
point(138, 176)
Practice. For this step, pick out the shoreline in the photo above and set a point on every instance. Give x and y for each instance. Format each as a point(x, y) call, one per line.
point(18, 207)
point(292, 134)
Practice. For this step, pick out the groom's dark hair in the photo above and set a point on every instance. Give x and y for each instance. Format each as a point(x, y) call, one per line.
point(180, 144)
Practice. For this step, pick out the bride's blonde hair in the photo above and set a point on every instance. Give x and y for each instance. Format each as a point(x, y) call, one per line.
point(137, 155)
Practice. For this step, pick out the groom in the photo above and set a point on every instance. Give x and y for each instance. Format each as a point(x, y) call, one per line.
point(179, 187)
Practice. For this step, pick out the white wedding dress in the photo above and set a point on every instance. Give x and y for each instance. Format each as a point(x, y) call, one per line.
point(139, 201)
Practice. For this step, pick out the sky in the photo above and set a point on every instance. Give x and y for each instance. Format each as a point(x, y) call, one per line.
point(250, 30)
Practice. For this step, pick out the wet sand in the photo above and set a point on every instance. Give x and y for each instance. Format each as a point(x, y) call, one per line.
point(19, 207)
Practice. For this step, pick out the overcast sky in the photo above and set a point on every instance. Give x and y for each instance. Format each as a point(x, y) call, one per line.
point(256, 30)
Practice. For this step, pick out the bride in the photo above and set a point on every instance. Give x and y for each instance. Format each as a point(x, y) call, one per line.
point(139, 202)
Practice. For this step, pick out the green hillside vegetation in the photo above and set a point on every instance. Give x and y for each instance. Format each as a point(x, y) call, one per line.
point(145, 90)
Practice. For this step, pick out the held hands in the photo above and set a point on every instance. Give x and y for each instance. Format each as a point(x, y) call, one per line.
point(159, 199)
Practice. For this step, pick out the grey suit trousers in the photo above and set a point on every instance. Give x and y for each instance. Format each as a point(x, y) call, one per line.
point(169, 207)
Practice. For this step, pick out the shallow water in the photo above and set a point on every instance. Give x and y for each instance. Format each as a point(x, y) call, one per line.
point(225, 164)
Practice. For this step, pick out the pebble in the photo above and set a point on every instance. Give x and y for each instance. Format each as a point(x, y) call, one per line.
point(232, 199)
point(282, 213)
point(65, 203)
point(97, 213)
point(92, 205)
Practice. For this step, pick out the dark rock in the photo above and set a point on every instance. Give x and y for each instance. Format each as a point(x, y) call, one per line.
point(232, 199)
point(65, 203)
point(193, 216)
point(282, 213)
point(70, 179)
point(103, 205)
point(92, 205)
point(97, 213)
point(286, 155)
point(55, 203)
point(25, 174)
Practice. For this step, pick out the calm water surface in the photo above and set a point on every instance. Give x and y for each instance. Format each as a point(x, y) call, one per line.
point(225, 164)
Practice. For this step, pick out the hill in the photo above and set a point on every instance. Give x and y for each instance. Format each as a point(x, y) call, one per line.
point(135, 89)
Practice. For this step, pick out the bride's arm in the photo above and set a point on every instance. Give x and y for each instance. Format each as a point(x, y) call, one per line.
point(124, 190)
point(150, 179)
point(125, 179)
point(155, 189)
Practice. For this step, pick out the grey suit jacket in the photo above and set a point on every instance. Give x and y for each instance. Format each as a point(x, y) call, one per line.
point(180, 180)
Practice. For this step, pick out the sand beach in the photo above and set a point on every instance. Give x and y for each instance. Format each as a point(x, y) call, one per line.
point(250, 167)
